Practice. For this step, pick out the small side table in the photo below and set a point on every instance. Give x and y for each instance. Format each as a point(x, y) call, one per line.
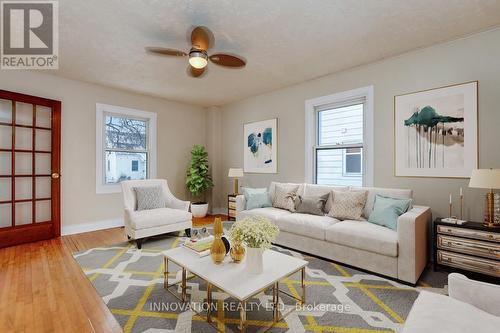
point(470, 248)
point(231, 207)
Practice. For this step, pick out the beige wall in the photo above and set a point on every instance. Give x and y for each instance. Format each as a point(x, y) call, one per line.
point(179, 127)
point(473, 58)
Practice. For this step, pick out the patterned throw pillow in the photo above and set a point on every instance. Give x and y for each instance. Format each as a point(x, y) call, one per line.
point(313, 205)
point(149, 197)
point(348, 205)
point(284, 196)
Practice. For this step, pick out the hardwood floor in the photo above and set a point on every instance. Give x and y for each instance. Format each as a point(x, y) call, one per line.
point(43, 289)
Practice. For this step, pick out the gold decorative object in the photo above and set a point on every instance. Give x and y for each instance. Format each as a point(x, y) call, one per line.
point(489, 179)
point(218, 250)
point(237, 252)
point(235, 173)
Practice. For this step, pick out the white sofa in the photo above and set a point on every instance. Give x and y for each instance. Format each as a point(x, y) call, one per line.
point(400, 254)
point(145, 223)
point(472, 306)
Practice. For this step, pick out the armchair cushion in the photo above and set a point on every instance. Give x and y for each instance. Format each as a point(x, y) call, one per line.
point(143, 219)
point(149, 197)
point(485, 296)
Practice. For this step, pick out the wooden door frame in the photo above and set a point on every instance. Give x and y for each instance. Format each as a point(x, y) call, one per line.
point(37, 231)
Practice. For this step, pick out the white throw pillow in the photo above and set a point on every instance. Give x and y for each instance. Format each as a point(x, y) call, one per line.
point(284, 196)
point(347, 205)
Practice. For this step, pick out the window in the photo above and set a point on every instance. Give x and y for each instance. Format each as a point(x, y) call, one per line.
point(126, 145)
point(338, 128)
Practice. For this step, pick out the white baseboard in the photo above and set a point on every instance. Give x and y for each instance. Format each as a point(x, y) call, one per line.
point(93, 226)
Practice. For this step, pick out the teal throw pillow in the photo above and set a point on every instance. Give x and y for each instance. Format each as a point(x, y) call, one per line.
point(387, 210)
point(257, 197)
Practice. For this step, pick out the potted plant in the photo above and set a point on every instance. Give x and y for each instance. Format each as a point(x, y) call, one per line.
point(198, 179)
point(257, 233)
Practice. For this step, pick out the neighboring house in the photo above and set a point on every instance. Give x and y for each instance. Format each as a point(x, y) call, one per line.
point(125, 166)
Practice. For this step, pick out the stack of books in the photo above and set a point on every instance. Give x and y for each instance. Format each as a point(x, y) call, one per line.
point(200, 246)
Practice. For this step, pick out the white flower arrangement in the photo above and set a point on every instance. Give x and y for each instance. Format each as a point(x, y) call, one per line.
point(254, 231)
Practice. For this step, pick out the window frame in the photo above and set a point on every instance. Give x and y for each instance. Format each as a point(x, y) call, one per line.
point(103, 110)
point(346, 98)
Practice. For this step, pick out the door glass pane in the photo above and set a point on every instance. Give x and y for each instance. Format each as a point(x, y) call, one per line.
point(125, 166)
point(23, 188)
point(23, 213)
point(43, 116)
point(5, 137)
point(6, 215)
point(23, 164)
point(5, 163)
point(24, 114)
point(5, 111)
point(5, 189)
point(43, 213)
point(42, 164)
point(343, 125)
point(332, 168)
point(43, 189)
point(43, 140)
point(23, 138)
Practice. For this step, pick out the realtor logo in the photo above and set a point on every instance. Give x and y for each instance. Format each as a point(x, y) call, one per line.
point(29, 35)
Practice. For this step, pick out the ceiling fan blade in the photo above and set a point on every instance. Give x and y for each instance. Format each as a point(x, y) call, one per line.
point(227, 60)
point(166, 51)
point(201, 38)
point(196, 72)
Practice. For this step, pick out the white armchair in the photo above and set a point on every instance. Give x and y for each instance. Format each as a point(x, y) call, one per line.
point(145, 223)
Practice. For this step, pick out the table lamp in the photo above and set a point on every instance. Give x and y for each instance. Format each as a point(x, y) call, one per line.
point(235, 173)
point(489, 179)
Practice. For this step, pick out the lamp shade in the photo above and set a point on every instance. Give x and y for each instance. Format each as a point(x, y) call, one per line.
point(235, 173)
point(485, 178)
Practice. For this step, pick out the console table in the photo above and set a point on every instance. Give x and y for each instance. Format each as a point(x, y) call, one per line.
point(469, 248)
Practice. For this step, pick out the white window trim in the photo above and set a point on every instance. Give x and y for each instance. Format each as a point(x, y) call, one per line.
point(101, 110)
point(311, 105)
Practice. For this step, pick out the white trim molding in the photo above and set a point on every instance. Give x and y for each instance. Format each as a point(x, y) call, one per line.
point(311, 105)
point(101, 110)
point(92, 226)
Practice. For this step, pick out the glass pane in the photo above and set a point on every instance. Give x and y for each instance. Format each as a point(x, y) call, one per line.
point(43, 213)
point(121, 166)
point(342, 125)
point(5, 163)
point(23, 138)
point(5, 111)
point(5, 189)
point(332, 168)
point(24, 213)
point(43, 187)
point(43, 164)
point(5, 137)
point(23, 164)
point(23, 188)
point(43, 140)
point(125, 133)
point(43, 116)
point(24, 114)
point(5, 215)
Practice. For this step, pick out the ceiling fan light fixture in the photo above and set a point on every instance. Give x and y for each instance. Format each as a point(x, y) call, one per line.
point(198, 59)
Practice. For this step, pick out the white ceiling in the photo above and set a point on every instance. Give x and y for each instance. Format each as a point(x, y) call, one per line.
point(284, 41)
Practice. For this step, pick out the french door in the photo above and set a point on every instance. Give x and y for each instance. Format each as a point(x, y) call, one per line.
point(30, 141)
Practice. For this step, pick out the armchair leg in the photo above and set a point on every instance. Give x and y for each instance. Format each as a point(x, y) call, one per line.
point(128, 237)
point(188, 232)
point(139, 243)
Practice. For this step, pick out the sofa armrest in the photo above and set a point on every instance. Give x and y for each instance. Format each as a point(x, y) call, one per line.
point(241, 203)
point(482, 295)
point(175, 203)
point(412, 243)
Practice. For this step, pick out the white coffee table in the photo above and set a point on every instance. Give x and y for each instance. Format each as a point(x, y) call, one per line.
point(233, 278)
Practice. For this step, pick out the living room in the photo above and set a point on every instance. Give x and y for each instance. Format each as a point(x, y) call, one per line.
point(335, 161)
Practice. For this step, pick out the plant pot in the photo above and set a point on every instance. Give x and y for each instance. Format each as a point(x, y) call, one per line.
point(199, 209)
point(254, 260)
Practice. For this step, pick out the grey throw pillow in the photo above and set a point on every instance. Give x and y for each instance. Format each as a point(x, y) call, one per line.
point(149, 197)
point(284, 196)
point(313, 205)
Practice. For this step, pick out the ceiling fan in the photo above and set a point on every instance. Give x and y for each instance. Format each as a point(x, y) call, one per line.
point(201, 38)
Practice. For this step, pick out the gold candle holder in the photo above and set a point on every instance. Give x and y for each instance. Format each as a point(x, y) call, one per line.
point(462, 207)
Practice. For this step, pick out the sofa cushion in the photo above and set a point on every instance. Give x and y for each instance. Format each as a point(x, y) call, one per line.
point(386, 192)
point(269, 212)
point(433, 312)
point(365, 236)
point(284, 196)
point(272, 188)
point(307, 225)
point(319, 190)
point(256, 197)
point(347, 205)
point(386, 211)
point(314, 205)
point(143, 219)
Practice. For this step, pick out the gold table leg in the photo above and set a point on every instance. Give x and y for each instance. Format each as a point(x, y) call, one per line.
point(184, 284)
point(209, 302)
point(303, 284)
point(165, 274)
point(276, 302)
point(243, 316)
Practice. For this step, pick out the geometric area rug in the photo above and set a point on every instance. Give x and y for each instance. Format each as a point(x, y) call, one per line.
point(338, 298)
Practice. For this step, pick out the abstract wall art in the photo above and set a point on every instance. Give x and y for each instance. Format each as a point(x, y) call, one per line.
point(260, 141)
point(435, 132)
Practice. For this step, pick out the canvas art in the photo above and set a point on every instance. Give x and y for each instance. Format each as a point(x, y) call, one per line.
point(260, 146)
point(436, 132)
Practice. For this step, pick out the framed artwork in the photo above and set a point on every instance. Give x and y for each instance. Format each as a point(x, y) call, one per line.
point(260, 146)
point(436, 132)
